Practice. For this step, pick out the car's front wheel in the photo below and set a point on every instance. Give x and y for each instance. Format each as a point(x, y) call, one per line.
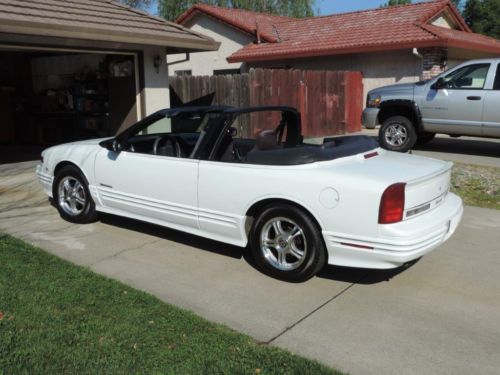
point(72, 196)
point(397, 133)
point(286, 243)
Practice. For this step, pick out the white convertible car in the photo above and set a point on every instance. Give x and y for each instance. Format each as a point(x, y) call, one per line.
point(299, 206)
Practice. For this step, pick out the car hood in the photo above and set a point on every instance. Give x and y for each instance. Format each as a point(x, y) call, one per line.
point(402, 88)
point(90, 142)
point(67, 148)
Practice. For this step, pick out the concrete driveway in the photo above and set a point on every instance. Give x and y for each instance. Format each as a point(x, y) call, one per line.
point(439, 316)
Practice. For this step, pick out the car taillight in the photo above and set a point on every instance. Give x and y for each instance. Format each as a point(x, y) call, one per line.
point(392, 204)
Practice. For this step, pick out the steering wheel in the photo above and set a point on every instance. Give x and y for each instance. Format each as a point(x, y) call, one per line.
point(163, 141)
point(451, 84)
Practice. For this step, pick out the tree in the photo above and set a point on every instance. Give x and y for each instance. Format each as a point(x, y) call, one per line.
point(392, 3)
point(171, 9)
point(137, 3)
point(483, 16)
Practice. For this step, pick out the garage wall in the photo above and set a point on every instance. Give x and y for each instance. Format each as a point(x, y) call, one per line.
point(378, 69)
point(156, 95)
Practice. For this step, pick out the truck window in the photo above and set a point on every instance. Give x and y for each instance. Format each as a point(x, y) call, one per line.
point(470, 77)
point(496, 85)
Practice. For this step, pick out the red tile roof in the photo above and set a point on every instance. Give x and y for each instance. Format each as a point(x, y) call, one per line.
point(241, 19)
point(391, 28)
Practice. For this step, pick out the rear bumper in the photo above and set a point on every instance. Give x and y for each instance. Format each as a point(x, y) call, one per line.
point(369, 119)
point(398, 243)
point(45, 180)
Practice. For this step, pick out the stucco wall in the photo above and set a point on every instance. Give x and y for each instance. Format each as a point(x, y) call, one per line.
point(204, 63)
point(379, 69)
point(156, 95)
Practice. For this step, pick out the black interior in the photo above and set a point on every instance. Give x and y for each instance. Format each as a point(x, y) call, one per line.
point(144, 144)
point(219, 140)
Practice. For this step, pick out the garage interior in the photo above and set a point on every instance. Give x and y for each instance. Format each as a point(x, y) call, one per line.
point(51, 97)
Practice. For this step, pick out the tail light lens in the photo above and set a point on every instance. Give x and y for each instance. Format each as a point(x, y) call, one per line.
point(392, 204)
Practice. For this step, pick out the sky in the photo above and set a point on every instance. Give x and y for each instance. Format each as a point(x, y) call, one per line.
point(340, 6)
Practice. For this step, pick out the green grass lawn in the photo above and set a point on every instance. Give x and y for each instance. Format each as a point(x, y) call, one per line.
point(477, 185)
point(57, 318)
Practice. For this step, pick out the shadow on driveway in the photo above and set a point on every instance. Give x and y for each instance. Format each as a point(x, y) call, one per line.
point(474, 147)
point(334, 273)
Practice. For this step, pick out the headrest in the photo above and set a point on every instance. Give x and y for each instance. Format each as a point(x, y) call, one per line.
point(266, 140)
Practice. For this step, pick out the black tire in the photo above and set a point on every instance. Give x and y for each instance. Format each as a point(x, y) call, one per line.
point(425, 138)
point(309, 241)
point(84, 212)
point(397, 133)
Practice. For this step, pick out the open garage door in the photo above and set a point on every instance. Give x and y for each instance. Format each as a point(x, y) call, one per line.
point(49, 97)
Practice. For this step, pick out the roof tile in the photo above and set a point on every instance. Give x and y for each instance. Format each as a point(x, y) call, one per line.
point(93, 16)
point(395, 27)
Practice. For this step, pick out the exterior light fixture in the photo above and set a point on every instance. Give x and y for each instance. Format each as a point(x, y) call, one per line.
point(157, 63)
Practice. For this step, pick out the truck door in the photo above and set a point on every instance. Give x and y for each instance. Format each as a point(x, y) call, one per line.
point(457, 108)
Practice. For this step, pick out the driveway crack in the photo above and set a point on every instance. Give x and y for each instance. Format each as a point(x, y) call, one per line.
point(310, 313)
point(124, 251)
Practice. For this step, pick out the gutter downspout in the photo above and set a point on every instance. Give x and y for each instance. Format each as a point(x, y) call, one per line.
point(421, 58)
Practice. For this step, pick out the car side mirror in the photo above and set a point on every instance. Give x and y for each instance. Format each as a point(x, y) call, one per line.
point(439, 84)
point(112, 145)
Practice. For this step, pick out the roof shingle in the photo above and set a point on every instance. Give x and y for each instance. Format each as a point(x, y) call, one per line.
point(398, 27)
point(104, 18)
point(244, 20)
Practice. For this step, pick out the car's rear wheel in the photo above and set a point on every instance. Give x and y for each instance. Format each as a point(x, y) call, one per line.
point(425, 138)
point(286, 243)
point(72, 196)
point(397, 133)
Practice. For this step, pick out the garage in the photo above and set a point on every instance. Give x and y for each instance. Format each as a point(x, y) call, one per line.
point(73, 70)
point(49, 97)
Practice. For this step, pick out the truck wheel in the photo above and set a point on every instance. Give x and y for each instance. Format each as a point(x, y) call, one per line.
point(425, 138)
point(397, 133)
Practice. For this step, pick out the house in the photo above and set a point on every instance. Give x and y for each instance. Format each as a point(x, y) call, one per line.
point(388, 45)
point(74, 69)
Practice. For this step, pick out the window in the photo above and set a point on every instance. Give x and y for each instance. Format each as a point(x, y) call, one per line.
point(496, 84)
point(180, 73)
point(220, 72)
point(471, 77)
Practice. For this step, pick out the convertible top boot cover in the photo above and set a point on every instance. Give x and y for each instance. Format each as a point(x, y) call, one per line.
point(333, 148)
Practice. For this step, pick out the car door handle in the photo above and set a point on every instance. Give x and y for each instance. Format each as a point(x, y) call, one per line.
point(474, 98)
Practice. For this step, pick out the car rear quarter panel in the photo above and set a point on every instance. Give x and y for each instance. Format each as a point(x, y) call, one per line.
point(234, 188)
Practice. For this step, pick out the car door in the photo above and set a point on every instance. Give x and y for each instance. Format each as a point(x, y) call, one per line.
point(142, 185)
point(491, 111)
point(457, 107)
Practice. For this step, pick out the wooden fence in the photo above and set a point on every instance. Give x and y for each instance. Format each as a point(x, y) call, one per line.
point(330, 102)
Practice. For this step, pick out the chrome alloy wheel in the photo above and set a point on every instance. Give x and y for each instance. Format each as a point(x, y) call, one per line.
point(72, 197)
point(396, 135)
point(283, 244)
